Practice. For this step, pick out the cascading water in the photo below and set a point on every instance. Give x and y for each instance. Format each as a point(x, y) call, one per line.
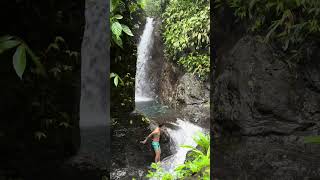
point(183, 135)
point(143, 90)
point(182, 131)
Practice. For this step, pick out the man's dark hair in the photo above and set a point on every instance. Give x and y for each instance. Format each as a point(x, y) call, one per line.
point(160, 125)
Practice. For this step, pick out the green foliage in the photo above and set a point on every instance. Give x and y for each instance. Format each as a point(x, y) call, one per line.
point(104, 178)
point(153, 8)
point(52, 116)
point(117, 28)
point(203, 140)
point(146, 120)
point(159, 173)
point(197, 167)
point(186, 26)
point(39, 135)
point(20, 56)
point(124, 99)
point(39, 96)
point(116, 79)
point(290, 23)
point(126, 18)
point(197, 63)
point(19, 60)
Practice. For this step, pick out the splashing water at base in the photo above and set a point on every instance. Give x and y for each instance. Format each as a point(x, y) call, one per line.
point(183, 135)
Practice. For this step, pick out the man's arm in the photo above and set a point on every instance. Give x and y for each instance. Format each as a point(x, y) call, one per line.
point(143, 142)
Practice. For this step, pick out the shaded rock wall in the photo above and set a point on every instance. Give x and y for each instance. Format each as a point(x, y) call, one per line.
point(262, 109)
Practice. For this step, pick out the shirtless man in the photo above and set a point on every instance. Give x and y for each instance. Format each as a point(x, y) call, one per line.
point(155, 142)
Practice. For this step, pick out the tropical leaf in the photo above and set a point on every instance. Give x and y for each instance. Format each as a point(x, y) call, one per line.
point(118, 41)
point(118, 16)
point(59, 39)
point(126, 29)
point(19, 60)
point(8, 44)
point(112, 75)
point(39, 135)
point(187, 146)
point(53, 46)
point(5, 38)
point(116, 28)
point(116, 80)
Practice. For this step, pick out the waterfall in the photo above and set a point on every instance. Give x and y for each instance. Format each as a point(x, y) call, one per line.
point(180, 131)
point(143, 90)
point(183, 135)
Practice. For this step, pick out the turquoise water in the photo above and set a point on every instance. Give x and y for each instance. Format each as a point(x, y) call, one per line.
point(156, 111)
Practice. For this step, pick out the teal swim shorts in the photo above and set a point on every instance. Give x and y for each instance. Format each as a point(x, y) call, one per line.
point(156, 146)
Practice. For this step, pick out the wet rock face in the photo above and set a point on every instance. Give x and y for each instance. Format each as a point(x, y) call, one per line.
point(264, 158)
point(130, 158)
point(184, 92)
point(257, 93)
point(192, 97)
point(269, 106)
point(191, 91)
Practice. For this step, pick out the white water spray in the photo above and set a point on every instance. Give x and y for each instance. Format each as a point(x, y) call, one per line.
point(181, 136)
point(143, 90)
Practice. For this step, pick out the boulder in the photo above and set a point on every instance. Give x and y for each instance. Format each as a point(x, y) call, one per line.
point(185, 93)
point(128, 154)
point(269, 106)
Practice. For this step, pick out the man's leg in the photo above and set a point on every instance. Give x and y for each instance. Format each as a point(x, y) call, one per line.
point(157, 158)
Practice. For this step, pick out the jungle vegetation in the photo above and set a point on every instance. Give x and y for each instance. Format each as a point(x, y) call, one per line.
point(186, 34)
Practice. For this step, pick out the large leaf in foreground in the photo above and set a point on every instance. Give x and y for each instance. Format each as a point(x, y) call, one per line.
point(19, 60)
point(116, 28)
point(126, 29)
point(8, 44)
